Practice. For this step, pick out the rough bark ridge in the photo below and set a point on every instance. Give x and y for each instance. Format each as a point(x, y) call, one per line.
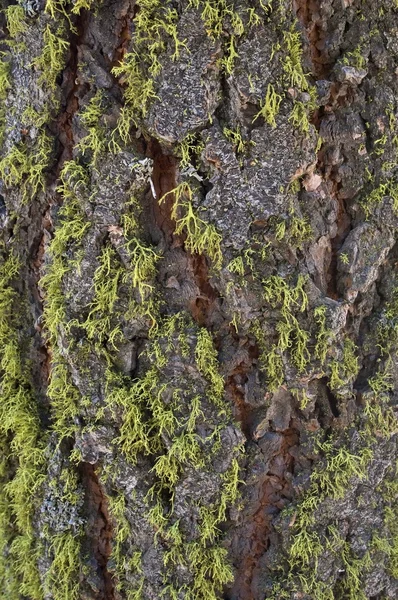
point(198, 299)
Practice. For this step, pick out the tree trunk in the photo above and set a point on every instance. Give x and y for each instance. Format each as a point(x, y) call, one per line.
point(198, 299)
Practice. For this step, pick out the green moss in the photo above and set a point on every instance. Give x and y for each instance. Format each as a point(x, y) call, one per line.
point(388, 188)
point(231, 54)
point(79, 5)
point(351, 586)
point(154, 26)
point(280, 230)
point(343, 257)
point(292, 62)
point(290, 334)
point(190, 147)
point(207, 362)
point(134, 432)
point(235, 137)
point(331, 479)
point(211, 571)
point(21, 438)
point(379, 418)
point(201, 237)
point(107, 278)
point(16, 23)
point(111, 275)
point(144, 260)
point(52, 59)
point(270, 106)
point(294, 77)
point(216, 14)
point(273, 363)
point(163, 419)
point(390, 519)
point(94, 141)
point(345, 370)
point(300, 115)
point(324, 335)
point(26, 166)
point(236, 265)
point(62, 578)
point(296, 230)
point(69, 233)
point(71, 229)
point(350, 359)
point(355, 58)
point(300, 231)
point(130, 563)
point(56, 7)
point(5, 85)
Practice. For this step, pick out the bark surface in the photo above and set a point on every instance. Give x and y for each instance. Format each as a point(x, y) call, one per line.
point(198, 299)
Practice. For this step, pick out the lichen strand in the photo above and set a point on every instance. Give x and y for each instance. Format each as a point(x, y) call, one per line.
point(155, 28)
point(22, 448)
point(200, 237)
point(158, 37)
point(27, 144)
point(341, 470)
point(182, 421)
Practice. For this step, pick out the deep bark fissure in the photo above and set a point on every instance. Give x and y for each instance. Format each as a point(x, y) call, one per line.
point(99, 529)
point(272, 491)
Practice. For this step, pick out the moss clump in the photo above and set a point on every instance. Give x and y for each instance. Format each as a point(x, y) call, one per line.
point(123, 563)
point(299, 231)
point(218, 17)
point(107, 278)
point(388, 188)
point(235, 137)
point(292, 62)
point(144, 259)
point(61, 579)
point(69, 233)
point(345, 370)
point(291, 336)
point(295, 230)
point(163, 419)
point(190, 147)
point(4, 87)
point(201, 237)
point(94, 141)
point(270, 106)
point(330, 480)
point(154, 27)
point(52, 58)
point(323, 335)
point(16, 23)
point(294, 77)
point(103, 322)
point(26, 166)
point(207, 362)
point(79, 5)
point(22, 448)
point(339, 468)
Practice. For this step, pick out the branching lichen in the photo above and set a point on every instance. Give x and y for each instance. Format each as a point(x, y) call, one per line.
point(21, 438)
point(201, 237)
point(154, 25)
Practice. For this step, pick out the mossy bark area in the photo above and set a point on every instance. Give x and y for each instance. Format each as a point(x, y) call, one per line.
point(198, 300)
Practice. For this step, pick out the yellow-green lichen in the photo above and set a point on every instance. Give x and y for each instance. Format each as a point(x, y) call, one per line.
point(21, 438)
point(201, 237)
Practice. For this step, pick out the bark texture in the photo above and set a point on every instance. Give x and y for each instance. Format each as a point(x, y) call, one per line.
point(198, 299)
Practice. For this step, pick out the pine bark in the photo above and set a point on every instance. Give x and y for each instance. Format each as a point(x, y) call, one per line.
point(198, 299)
